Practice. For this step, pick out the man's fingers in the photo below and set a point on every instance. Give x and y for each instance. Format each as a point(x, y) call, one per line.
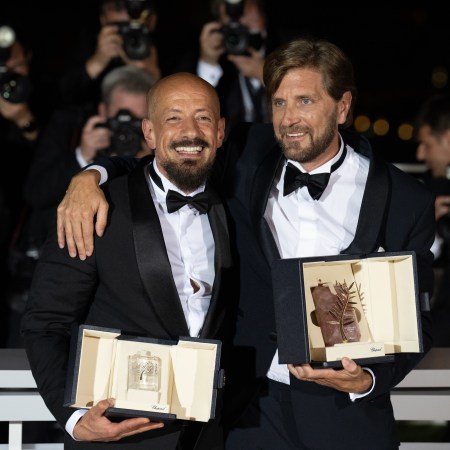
point(99, 409)
point(79, 228)
point(102, 218)
point(350, 366)
point(134, 426)
point(68, 231)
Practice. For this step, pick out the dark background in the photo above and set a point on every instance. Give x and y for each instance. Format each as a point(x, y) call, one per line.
point(394, 50)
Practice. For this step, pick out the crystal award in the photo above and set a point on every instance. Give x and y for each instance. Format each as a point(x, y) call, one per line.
point(144, 371)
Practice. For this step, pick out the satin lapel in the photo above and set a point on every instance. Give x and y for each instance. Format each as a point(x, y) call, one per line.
point(263, 180)
point(373, 207)
point(151, 254)
point(222, 263)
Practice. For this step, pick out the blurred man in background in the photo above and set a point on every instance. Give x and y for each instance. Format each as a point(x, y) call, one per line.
point(126, 37)
point(73, 138)
point(433, 134)
point(231, 54)
point(19, 131)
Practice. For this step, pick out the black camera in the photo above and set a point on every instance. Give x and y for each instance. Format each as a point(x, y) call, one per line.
point(238, 38)
point(14, 88)
point(137, 39)
point(126, 139)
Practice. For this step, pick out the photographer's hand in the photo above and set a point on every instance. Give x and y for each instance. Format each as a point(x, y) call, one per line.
point(249, 66)
point(149, 64)
point(20, 114)
point(109, 46)
point(94, 138)
point(442, 206)
point(211, 43)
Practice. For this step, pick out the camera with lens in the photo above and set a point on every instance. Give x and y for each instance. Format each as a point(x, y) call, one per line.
point(237, 38)
point(126, 138)
point(136, 36)
point(14, 87)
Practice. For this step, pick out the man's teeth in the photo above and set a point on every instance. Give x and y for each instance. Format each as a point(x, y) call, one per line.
point(295, 134)
point(189, 149)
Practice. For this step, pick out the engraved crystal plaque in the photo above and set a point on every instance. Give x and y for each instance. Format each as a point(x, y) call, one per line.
point(144, 371)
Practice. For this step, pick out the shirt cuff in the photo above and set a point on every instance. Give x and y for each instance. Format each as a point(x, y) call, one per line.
point(354, 397)
point(73, 420)
point(103, 173)
point(210, 73)
point(78, 155)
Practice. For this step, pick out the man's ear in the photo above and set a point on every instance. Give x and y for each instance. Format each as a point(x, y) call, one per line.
point(221, 131)
point(149, 133)
point(344, 107)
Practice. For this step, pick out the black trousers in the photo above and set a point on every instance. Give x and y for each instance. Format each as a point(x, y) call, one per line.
point(267, 423)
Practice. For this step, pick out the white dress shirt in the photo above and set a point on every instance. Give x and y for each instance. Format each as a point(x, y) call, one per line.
point(190, 247)
point(305, 227)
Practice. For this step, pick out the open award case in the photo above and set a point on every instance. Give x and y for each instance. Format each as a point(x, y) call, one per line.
point(163, 380)
point(329, 307)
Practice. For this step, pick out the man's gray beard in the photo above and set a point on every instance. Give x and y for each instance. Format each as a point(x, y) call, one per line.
point(187, 175)
point(294, 152)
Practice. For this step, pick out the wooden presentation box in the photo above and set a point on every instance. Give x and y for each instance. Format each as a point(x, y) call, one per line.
point(329, 307)
point(163, 380)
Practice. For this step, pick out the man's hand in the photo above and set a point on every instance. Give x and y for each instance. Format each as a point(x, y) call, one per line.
point(94, 138)
point(95, 427)
point(442, 206)
point(249, 66)
point(75, 222)
point(109, 45)
point(351, 378)
point(150, 64)
point(211, 43)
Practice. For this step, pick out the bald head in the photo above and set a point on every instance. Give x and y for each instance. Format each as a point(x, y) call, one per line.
point(184, 127)
point(183, 82)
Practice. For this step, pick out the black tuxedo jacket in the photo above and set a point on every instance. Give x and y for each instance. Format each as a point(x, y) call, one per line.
point(126, 284)
point(396, 214)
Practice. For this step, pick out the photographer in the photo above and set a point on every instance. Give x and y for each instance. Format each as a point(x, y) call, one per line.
point(73, 138)
point(125, 37)
point(19, 132)
point(231, 55)
point(432, 128)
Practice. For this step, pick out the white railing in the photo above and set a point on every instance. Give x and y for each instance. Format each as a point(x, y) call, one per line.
point(19, 400)
point(424, 395)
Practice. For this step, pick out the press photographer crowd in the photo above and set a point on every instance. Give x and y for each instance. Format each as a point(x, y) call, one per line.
point(54, 128)
point(91, 106)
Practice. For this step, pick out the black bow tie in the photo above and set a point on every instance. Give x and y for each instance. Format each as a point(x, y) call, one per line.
point(294, 178)
point(175, 201)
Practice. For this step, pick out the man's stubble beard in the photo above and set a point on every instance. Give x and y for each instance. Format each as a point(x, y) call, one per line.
point(318, 146)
